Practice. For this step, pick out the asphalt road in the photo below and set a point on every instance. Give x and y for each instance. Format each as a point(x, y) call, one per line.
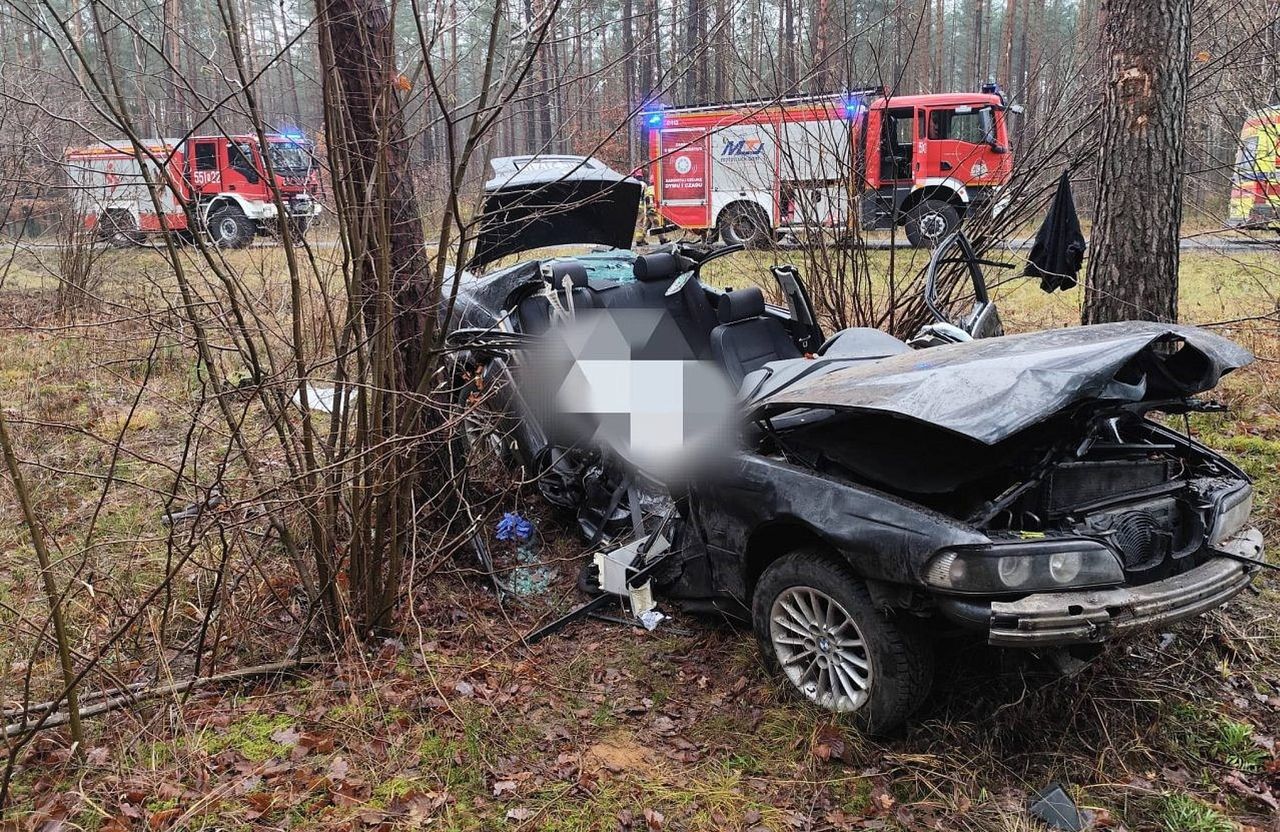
point(1224, 243)
point(1198, 242)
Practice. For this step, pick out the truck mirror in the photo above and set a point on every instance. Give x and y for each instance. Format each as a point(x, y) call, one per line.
point(989, 130)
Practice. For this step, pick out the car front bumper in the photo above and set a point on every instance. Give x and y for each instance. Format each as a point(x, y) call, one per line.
point(1053, 619)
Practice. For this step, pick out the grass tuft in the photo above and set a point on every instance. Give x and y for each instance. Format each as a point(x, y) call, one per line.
point(1184, 813)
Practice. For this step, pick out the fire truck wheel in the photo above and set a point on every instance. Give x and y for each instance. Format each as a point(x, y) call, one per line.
point(930, 222)
point(744, 224)
point(230, 228)
point(298, 227)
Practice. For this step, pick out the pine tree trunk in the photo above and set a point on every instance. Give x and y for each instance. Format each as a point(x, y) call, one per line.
point(1133, 270)
point(787, 47)
point(724, 49)
point(648, 51)
point(943, 79)
point(398, 299)
point(979, 52)
point(691, 70)
point(629, 62)
point(1006, 51)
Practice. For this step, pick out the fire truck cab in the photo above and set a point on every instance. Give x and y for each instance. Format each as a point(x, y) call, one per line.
point(750, 170)
point(217, 185)
point(1255, 184)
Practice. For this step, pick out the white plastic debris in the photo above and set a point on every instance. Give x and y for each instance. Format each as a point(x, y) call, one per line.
point(321, 398)
point(651, 619)
point(614, 565)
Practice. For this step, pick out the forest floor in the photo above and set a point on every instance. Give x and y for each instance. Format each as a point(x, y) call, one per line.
point(453, 723)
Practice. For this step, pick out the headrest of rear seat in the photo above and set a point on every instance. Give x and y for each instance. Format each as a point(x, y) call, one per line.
point(660, 266)
point(557, 270)
point(741, 304)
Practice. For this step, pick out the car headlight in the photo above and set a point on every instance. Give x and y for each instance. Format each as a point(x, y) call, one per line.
point(1025, 567)
point(1230, 514)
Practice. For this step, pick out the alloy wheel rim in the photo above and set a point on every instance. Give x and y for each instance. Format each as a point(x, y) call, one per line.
point(821, 649)
point(481, 435)
point(227, 229)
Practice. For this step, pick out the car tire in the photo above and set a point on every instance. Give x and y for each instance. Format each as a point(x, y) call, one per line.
point(228, 227)
point(744, 224)
point(931, 222)
point(899, 661)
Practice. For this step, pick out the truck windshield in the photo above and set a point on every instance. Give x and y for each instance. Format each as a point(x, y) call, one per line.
point(1247, 159)
point(290, 159)
point(965, 125)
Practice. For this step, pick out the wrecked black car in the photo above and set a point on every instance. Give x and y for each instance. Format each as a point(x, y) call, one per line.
point(1025, 487)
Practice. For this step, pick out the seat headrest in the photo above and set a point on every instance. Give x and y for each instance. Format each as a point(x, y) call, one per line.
point(660, 266)
point(560, 269)
point(741, 304)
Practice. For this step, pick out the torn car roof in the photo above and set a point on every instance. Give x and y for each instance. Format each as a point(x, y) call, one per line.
point(992, 388)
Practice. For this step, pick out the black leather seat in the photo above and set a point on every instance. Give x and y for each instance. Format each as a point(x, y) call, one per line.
point(746, 338)
point(535, 310)
point(689, 308)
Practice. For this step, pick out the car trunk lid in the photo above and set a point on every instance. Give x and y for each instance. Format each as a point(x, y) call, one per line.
point(537, 201)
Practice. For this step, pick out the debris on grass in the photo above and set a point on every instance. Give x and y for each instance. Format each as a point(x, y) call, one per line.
point(1056, 808)
point(532, 576)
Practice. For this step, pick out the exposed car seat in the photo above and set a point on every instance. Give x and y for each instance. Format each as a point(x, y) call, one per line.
point(690, 308)
point(746, 338)
point(535, 310)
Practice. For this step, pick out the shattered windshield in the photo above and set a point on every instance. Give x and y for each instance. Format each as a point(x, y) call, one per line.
point(290, 159)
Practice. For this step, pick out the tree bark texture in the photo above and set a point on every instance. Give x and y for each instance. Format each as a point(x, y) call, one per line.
point(375, 162)
point(1133, 270)
point(392, 286)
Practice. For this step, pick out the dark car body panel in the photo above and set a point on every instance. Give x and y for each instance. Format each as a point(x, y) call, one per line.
point(882, 536)
point(540, 201)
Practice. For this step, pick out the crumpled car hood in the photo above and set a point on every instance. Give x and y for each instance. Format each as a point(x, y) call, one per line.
point(990, 389)
point(537, 201)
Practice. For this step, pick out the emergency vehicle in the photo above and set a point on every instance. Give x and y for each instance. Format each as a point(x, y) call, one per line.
point(216, 185)
point(748, 170)
point(1255, 185)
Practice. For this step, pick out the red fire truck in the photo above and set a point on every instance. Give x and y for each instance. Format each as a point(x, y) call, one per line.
point(749, 170)
point(216, 185)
